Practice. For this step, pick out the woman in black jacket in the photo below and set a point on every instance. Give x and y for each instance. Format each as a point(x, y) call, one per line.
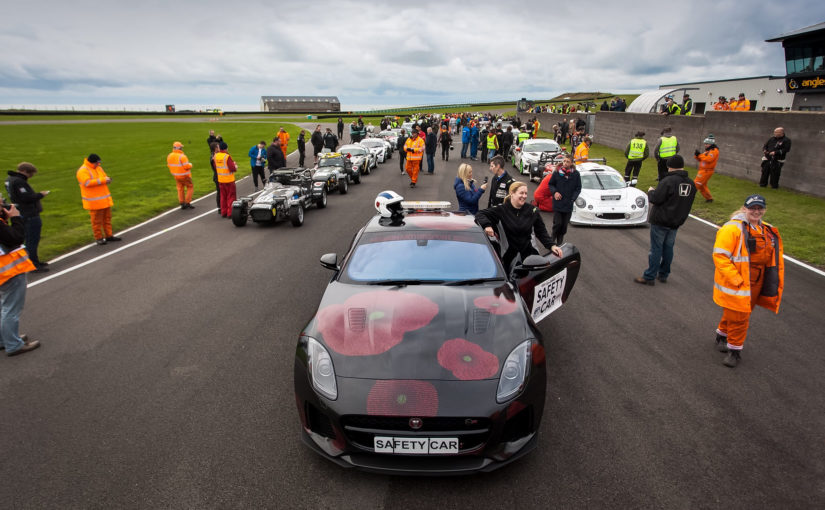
point(518, 222)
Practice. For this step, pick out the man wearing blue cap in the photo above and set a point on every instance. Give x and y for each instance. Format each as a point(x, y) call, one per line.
point(670, 206)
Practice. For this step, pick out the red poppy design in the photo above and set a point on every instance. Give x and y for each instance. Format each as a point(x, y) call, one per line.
point(498, 305)
point(466, 360)
point(538, 354)
point(370, 323)
point(402, 398)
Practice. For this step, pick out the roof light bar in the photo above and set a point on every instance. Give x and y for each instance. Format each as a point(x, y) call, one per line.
point(426, 205)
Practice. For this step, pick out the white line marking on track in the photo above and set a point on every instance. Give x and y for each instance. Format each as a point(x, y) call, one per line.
point(786, 257)
point(118, 250)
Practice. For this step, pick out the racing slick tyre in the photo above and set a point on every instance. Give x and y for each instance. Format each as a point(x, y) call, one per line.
point(239, 217)
point(343, 186)
point(357, 178)
point(322, 201)
point(296, 215)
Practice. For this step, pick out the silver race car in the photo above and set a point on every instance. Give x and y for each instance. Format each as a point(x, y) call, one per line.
point(287, 193)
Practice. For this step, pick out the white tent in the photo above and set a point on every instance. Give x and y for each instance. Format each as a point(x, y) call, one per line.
point(649, 102)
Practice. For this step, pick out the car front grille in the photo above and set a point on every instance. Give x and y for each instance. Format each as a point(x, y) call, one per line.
point(261, 215)
point(472, 433)
point(611, 216)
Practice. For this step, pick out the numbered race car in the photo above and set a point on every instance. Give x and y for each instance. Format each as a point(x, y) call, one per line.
point(424, 357)
point(336, 170)
point(526, 154)
point(363, 160)
point(391, 137)
point(606, 199)
point(378, 148)
point(288, 192)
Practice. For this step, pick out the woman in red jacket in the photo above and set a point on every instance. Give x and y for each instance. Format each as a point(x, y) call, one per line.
point(542, 196)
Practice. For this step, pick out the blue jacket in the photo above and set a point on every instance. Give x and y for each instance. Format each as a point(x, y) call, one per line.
point(474, 135)
point(569, 185)
point(465, 135)
point(253, 156)
point(467, 198)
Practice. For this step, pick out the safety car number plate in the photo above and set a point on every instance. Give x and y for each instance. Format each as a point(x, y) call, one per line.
point(416, 445)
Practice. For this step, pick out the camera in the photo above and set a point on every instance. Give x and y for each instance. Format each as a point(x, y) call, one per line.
point(486, 179)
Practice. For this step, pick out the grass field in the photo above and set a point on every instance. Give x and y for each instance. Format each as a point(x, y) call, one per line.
point(797, 216)
point(134, 156)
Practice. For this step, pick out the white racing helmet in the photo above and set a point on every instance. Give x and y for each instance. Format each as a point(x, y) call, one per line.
point(388, 203)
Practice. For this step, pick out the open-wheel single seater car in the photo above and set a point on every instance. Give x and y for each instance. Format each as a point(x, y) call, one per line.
point(335, 170)
point(607, 200)
point(424, 357)
point(288, 192)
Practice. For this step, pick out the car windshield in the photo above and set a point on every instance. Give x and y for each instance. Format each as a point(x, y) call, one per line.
point(373, 143)
point(543, 146)
point(354, 151)
point(386, 133)
point(337, 161)
point(435, 256)
point(598, 180)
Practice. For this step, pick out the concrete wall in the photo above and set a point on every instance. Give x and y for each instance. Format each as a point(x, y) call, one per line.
point(739, 135)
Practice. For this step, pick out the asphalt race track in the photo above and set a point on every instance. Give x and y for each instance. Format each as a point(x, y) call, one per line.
point(165, 378)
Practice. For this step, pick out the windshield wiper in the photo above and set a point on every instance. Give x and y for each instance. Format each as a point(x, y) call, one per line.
point(402, 283)
point(474, 281)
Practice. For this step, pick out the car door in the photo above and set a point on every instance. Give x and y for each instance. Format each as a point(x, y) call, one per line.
point(545, 282)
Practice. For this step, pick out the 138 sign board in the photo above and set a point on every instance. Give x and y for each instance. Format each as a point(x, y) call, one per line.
point(547, 295)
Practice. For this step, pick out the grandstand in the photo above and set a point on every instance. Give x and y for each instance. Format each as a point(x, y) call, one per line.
point(309, 104)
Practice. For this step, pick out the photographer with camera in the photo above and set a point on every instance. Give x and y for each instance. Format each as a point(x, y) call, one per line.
point(22, 194)
point(14, 264)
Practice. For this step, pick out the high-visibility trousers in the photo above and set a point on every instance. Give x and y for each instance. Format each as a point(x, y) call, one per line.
point(701, 181)
point(413, 166)
point(101, 222)
point(734, 324)
point(185, 189)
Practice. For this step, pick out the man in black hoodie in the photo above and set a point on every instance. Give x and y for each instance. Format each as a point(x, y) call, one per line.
point(274, 156)
point(28, 202)
point(670, 206)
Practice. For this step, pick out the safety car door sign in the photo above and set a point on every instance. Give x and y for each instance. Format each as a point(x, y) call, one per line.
point(547, 296)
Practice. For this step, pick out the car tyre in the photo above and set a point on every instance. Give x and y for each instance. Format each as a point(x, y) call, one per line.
point(322, 201)
point(296, 215)
point(356, 178)
point(343, 186)
point(239, 216)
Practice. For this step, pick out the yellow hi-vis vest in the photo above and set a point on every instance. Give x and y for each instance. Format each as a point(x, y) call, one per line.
point(668, 147)
point(13, 263)
point(492, 142)
point(178, 164)
point(222, 168)
point(637, 149)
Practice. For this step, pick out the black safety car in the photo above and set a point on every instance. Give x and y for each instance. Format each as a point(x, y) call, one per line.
point(423, 356)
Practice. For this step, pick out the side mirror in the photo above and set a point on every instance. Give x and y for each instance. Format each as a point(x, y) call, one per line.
point(632, 183)
point(535, 262)
point(330, 261)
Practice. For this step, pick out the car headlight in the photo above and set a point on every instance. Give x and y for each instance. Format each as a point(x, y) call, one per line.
point(321, 371)
point(580, 203)
point(640, 202)
point(514, 372)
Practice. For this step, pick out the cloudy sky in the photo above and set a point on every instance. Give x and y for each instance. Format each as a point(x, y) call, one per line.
point(229, 53)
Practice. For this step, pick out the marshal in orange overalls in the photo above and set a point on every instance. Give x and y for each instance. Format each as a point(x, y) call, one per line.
point(94, 192)
point(414, 157)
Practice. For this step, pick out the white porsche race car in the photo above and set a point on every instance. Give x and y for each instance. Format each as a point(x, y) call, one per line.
point(606, 199)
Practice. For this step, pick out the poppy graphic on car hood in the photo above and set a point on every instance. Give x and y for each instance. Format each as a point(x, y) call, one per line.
point(420, 332)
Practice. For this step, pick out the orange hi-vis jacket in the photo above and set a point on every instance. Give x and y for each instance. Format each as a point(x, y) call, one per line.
point(178, 164)
point(13, 263)
point(284, 138)
point(732, 278)
point(225, 167)
point(582, 152)
point(707, 160)
point(740, 106)
point(719, 106)
point(93, 188)
point(417, 146)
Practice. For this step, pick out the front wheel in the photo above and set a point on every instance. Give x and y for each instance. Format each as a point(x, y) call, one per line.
point(322, 201)
point(239, 216)
point(343, 186)
point(296, 215)
point(356, 178)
